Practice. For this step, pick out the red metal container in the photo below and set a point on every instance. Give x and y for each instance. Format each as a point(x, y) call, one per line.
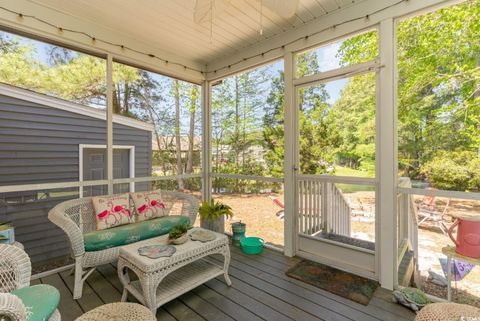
point(468, 235)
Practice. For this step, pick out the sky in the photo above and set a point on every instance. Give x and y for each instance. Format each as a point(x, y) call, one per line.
point(328, 60)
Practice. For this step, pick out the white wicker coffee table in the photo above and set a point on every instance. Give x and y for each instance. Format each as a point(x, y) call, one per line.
point(163, 279)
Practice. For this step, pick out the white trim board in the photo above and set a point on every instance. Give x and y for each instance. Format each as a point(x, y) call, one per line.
point(100, 31)
point(240, 61)
point(131, 160)
point(53, 102)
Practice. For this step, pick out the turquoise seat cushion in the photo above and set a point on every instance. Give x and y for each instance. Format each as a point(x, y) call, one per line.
point(40, 301)
point(130, 233)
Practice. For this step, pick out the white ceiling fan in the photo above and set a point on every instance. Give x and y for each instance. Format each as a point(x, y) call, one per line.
point(206, 10)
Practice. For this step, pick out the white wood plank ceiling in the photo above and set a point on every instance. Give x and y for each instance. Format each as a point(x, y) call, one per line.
point(168, 24)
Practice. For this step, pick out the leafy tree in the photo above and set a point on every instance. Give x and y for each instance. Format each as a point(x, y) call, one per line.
point(438, 90)
point(439, 81)
point(273, 127)
point(137, 93)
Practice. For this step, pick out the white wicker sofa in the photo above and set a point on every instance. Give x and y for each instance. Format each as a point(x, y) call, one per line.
point(77, 218)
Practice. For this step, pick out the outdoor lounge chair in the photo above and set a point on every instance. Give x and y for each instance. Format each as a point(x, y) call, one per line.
point(277, 202)
point(18, 300)
point(427, 213)
point(77, 218)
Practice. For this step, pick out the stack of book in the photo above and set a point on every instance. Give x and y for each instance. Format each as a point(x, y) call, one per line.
point(7, 235)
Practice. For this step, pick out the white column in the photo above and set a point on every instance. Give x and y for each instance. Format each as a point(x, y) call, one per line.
point(387, 172)
point(290, 228)
point(206, 142)
point(110, 123)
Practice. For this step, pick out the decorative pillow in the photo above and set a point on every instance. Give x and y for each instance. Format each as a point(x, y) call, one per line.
point(148, 205)
point(111, 211)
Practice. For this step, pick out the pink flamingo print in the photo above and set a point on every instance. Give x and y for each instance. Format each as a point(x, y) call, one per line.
point(122, 210)
point(142, 209)
point(108, 216)
point(150, 208)
point(156, 203)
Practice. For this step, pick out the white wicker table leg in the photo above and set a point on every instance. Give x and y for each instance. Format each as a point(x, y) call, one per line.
point(124, 278)
point(150, 284)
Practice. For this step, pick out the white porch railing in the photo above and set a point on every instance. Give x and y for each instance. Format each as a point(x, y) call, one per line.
point(322, 207)
point(407, 225)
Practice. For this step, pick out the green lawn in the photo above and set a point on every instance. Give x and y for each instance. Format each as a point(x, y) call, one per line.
point(346, 171)
point(350, 188)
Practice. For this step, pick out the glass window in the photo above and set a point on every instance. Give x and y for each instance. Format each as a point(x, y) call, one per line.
point(342, 53)
point(173, 109)
point(247, 123)
point(439, 98)
point(52, 70)
point(349, 216)
point(46, 245)
point(258, 204)
point(439, 134)
point(337, 127)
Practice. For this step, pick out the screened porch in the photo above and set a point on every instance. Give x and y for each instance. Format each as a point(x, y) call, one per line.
point(340, 132)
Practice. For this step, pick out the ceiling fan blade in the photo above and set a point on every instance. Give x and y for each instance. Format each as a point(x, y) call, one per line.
point(284, 8)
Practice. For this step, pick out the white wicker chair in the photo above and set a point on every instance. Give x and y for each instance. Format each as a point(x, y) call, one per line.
point(15, 272)
point(77, 217)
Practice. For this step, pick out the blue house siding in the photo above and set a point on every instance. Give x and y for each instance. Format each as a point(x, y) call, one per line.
point(40, 144)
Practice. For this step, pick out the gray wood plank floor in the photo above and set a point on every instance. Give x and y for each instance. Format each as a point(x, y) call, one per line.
point(260, 291)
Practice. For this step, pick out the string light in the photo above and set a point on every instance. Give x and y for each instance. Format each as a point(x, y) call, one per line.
point(94, 40)
point(21, 16)
point(310, 35)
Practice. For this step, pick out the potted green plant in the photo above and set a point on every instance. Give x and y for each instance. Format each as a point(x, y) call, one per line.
point(178, 234)
point(212, 215)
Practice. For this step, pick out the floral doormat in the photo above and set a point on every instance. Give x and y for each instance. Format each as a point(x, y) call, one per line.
point(344, 284)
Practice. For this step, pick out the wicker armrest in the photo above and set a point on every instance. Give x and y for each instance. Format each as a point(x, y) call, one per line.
point(59, 217)
point(12, 308)
point(15, 268)
point(190, 204)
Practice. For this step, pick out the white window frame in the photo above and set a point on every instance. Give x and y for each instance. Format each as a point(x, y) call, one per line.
point(130, 148)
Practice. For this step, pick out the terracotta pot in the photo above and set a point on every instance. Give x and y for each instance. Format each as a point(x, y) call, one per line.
point(467, 241)
point(180, 240)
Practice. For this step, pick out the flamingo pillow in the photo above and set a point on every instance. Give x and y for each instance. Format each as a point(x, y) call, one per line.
point(148, 205)
point(111, 211)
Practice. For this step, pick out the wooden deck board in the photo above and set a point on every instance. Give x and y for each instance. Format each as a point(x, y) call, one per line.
point(383, 310)
point(256, 307)
point(260, 291)
point(313, 297)
point(236, 311)
point(204, 308)
point(68, 307)
point(89, 299)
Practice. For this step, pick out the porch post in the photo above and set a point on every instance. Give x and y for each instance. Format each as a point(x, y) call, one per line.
point(387, 153)
point(110, 123)
point(290, 228)
point(206, 142)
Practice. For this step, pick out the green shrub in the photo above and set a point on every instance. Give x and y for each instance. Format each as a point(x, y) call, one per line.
point(453, 171)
